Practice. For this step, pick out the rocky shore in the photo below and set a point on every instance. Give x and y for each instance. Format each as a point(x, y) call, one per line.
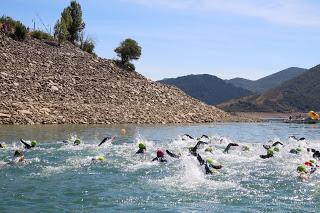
point(43, 83)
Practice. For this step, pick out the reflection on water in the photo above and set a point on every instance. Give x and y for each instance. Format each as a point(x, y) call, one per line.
point(61, 177)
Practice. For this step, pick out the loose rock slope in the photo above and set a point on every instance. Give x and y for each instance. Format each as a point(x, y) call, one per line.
point(41, 83)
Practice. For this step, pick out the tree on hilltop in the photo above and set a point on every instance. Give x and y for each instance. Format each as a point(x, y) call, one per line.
point(128, 50)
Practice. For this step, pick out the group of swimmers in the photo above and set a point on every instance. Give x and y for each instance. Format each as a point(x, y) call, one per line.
point(304, 170)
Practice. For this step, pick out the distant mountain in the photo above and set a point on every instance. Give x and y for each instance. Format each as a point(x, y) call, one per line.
point(268, 82)
point(300, 94)
point(207, 88)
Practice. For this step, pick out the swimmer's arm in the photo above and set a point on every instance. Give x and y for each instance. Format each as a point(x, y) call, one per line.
point(277, 143)
point(229, 146)
point(200, 159)
point(25, 144)
point(216, 166)
point(154, 159)
point(172, 154)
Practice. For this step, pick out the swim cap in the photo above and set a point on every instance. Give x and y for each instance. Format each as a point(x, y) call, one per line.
point(209, 149)
point(276, 149)
point(34, 143)
point(270, 152)
point(210, 161)
point(245, 148)
point(77, 141)
point(299, 149)
point(301, 168)
point(312, 161)
point(142, 146)
point(123, 131)
point(160, 153)
point(101, 158)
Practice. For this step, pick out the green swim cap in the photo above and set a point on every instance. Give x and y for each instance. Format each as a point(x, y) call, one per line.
point(210, 161)
point(298, 149)
point(270, 152)
point(101, 158)
point(34, 143)
point(312, 161)
point(142, 146)
point(209, 149)
point(301, 168)
point(77, 141)
point(245, 148)
point(276, 149)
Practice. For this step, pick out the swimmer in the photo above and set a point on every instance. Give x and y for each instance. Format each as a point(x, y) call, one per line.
point(193, 150)
point(160, 156)
point(203, 137)
point(28, 146)
point(186, 137)
point(142, 148)
point(270, 154)
point(18, 157)
point(208, 164)
point(172, 154)
point(273, 145)
point(77, 142)
point(107, 139)
point(303, 172)
point(2, 146)
point(295, 151)
point(295, 138)
point(98, 159)
point(226, 150)
point(209, 149)
point(316, 153)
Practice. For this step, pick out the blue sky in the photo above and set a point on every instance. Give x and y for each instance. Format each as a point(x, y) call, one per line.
point(226, 38)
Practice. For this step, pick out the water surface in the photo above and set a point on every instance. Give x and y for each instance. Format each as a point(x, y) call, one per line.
point(58, 177)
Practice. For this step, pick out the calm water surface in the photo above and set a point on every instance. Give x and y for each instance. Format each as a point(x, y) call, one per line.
point(58, 177)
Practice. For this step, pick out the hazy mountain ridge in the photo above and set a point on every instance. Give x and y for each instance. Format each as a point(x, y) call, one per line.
point(299, 94)
point(207, 88)
point(266, 83)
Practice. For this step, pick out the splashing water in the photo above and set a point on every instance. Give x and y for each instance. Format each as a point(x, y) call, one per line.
point(59, 177)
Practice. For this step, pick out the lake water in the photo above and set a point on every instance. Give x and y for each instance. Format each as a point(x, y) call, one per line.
point(58, 177)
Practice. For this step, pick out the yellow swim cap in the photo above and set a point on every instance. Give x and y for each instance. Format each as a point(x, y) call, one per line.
point(101, 158)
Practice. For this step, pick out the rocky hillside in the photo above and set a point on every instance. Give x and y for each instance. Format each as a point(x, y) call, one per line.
point(301, 94)
point(207, 88)
point(42, 83)
point(269, 82)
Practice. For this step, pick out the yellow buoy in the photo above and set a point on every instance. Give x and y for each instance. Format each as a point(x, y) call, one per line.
point(123, 131)
point(313, 115)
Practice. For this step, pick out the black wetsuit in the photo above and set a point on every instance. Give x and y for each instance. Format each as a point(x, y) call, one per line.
point(160, 159)
point(1, 146)
point(266, 156)
point(104, 140)
point(207, 166)
point(140, 151)
point(316, 153)
point(226, 150)
point(26, 145)
point(172, 154)
point(274, 144)
point(204, 136)
point(193, 150)
point(188, 136)
point(295, 138)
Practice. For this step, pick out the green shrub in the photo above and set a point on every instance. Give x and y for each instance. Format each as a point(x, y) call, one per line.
point(20, 32)
point(38, 34)
point(88, 46)
point(14, 28)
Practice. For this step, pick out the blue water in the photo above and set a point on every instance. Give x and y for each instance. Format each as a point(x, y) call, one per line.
point(58, 177)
